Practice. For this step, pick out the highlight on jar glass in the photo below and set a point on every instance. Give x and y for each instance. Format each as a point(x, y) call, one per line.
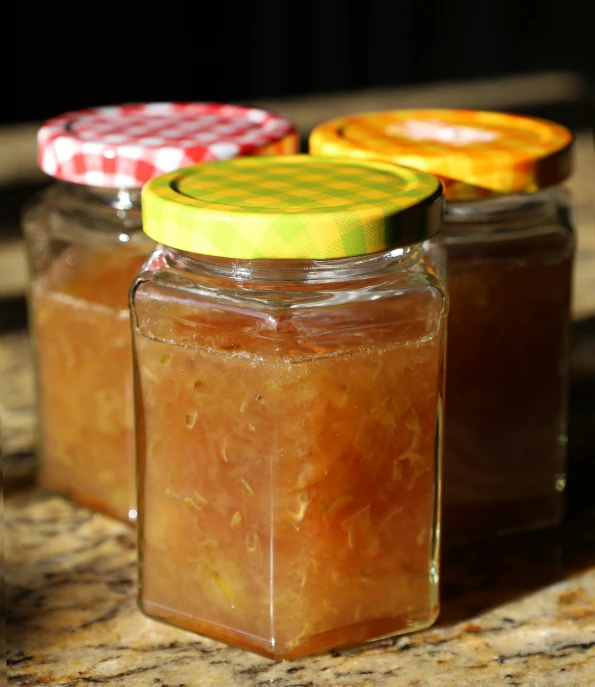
point(85, 244)
point(509, 246)
point(289, 350)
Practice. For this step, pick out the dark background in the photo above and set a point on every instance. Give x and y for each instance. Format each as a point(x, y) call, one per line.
point(88, 54)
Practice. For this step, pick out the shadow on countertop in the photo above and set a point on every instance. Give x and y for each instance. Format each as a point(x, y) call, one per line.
point(478, 577)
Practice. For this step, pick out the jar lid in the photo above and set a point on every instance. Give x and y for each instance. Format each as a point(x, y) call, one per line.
point(475, 153)
point(296, 206)
point(125, 146)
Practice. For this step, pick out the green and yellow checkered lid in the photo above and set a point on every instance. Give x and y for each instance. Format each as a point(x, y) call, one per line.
point(292, 206)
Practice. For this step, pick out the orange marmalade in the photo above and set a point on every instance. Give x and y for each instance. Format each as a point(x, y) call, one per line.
point(289, 412)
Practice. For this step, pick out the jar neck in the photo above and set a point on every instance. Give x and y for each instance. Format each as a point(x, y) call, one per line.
point(96, 216)
point(363, 267)
point(503, 213)
point(119, 199)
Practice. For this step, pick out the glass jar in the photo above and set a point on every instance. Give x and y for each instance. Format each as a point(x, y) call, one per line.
point(85, 244)
point(289, 346)
point(509, 248)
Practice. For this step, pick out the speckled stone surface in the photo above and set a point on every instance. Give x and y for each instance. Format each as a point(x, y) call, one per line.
point(516, 612)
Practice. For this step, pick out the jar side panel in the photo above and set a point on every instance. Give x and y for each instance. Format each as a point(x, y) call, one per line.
point(287, 324)
point(205, 493)
point(354, 497)
point(86, 402)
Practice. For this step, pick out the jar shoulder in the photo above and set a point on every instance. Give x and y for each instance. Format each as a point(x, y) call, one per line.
point(164, 282)
point(170, 304)
point(531, 230)
point(81, 217)
point(543, 218)
point(71, 236)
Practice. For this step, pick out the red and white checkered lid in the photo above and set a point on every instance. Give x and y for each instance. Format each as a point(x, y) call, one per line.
point(125, 146)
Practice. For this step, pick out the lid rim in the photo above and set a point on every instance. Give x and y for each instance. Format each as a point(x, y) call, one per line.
point(100, 146)
point(499, 164)
point(318, 230)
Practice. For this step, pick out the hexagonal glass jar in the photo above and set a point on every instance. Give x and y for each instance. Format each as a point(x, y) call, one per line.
point(289, 415)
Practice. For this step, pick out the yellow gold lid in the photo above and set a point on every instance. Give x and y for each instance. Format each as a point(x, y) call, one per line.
point(474, 153)
point(292, 206)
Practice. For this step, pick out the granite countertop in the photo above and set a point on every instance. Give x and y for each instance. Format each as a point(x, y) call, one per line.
point(517, 611)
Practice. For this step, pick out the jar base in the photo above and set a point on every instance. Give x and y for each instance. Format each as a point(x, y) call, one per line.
point(88, 501)
point(369, 631)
